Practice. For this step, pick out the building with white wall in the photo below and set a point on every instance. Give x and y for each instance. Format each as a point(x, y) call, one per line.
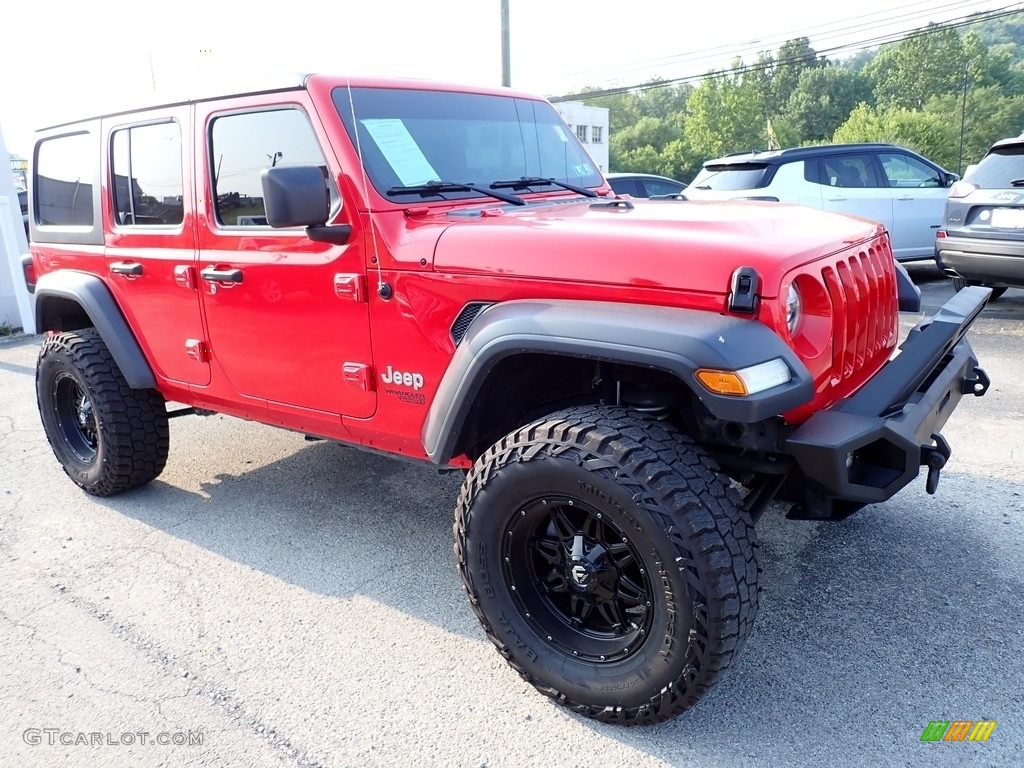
point(16, 309)
point(590, 124)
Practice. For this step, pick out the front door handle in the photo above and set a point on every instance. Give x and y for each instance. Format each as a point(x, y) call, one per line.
point(214, 275)
point(836, 199)
point(126, 268)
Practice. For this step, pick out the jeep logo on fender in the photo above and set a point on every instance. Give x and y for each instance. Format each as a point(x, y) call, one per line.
point(414, 380)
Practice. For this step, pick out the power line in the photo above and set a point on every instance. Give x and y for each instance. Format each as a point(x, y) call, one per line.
point(965, 21)
point(828, 32)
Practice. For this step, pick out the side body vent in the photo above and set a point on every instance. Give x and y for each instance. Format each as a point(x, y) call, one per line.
point(466, 318)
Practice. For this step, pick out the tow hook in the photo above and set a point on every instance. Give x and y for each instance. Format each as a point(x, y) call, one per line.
point(935, 457)
point(976, 385)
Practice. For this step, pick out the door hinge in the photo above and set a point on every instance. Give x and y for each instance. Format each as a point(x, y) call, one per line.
point(350, 286)
point(197, 350)
point(359, 375)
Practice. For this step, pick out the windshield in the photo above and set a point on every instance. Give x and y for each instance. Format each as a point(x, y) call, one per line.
point(999, 168)
point(411, 137)
point(727, 176)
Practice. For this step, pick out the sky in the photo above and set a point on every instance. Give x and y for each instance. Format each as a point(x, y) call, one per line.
point(65, 59)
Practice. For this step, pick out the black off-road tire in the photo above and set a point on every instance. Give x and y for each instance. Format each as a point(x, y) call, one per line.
point(959, 283)
point(108, 437)
point(609, 562)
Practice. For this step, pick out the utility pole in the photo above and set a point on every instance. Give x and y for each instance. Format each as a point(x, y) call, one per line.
point(963, 121)
point(506, 59)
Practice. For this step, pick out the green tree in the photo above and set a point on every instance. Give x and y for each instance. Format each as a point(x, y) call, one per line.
point(795, 57)
point(932, 135)
point(679, 161)
point(644, 159)
point(989, 117)
point(858, 61)
point(823, 100)
point(930, 63)
point(723, 115)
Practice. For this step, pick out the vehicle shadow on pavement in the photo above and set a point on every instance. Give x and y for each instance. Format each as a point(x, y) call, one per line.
point(332, 520)
point(868, 630)
point(898, 614)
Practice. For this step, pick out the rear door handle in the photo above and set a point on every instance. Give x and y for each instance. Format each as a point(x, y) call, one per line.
point(837, 199)
point(904, 198)
point(214, 275)
point(126, 268)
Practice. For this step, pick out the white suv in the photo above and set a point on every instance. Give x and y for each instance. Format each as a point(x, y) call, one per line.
point(888, 184)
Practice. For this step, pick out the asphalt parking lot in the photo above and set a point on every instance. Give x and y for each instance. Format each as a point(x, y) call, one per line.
point(294, 603)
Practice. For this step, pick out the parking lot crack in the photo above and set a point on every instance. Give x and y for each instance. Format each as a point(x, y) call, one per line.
point(216, 693)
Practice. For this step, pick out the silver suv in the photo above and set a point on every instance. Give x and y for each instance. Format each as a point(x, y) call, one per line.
point(892, 185)
point(982, 242)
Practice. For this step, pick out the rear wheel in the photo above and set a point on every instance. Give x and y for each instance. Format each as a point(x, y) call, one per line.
point(107, 436)
point(609, 563)
point(959, 283)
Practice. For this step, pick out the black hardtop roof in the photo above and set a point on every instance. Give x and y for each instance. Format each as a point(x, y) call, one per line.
point(770, 156)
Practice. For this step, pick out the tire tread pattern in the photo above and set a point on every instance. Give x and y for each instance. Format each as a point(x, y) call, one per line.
point(134, 431)
point(681, 487)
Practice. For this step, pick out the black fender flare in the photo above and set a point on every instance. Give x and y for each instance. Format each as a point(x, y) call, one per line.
point(95, 299)
point(678, 341)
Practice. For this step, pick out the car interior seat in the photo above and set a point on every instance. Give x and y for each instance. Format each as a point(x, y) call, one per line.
point(849, 176)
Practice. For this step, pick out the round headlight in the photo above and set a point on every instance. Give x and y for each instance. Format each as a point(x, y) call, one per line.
point(793, 309)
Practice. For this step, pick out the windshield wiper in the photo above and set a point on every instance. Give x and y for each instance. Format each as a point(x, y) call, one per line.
point(1017, 183)
point(536, 181)
point(437, 187)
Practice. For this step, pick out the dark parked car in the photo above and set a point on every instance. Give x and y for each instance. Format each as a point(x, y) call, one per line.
point(982, 241)
point(23, 202)
point(644, 185)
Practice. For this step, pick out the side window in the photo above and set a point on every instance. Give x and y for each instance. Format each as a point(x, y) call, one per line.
point(813, 172)
point(64, 172)
point(849, 171)
point(906, 171)
point(242, 145)
point(624, 187)
point(146, 172)
point(656, 187)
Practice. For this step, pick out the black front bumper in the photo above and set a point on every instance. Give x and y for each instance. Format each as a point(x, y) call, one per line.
point(867, 447)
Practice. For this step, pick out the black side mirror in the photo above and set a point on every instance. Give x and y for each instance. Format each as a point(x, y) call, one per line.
point(951, 179)
point(296, 196)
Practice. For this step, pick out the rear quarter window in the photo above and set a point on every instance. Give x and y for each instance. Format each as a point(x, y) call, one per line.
point(64, 188)
point(64, 176)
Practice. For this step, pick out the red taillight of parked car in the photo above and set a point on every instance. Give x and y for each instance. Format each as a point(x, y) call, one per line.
point(30, 275)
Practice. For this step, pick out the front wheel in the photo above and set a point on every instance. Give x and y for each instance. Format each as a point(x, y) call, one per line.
point(609, 563)
point(107, 436)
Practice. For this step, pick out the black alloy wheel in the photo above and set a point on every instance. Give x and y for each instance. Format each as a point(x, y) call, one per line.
point(107, 436)
point(608, 561)
point(578, 579)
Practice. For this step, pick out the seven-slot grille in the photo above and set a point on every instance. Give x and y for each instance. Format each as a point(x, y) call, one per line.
point(865, 313)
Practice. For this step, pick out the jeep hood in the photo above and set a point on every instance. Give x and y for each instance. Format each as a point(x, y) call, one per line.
point(693, 246)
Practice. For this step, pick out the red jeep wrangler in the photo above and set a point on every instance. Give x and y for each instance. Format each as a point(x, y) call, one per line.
point(442, 273)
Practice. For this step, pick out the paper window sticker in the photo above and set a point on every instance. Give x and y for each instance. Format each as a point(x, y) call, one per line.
point(401, 151)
